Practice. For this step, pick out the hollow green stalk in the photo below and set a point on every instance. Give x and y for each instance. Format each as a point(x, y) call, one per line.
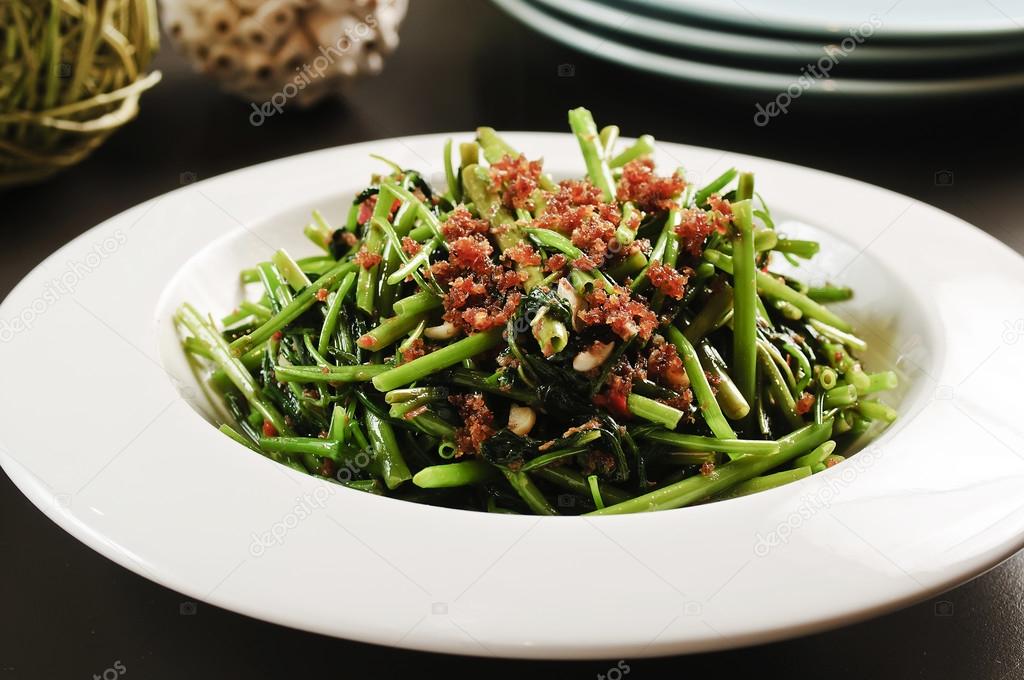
point(440, 359)
point(699, 487)
point(709, 407)
point(744, 319)
point(463, 473)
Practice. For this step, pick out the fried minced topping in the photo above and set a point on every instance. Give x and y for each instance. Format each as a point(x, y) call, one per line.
point(577, 210)
point(669, 280)
point(366, 259)
point(693, 229)
point(461, 223)
point(477, 419)
point(721, 212)
point(515, 180)
point(481, 294)
point(410, 247)
point(556, 263)
point(665, 366)
point(650, 192)
point(414, 350)
point(522, 254)
point(617, 309)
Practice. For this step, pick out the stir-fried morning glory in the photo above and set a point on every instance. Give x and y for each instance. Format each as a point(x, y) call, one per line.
point(611, 344)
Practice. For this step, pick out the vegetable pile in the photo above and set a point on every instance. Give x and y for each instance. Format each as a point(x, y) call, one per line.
point(604, 345)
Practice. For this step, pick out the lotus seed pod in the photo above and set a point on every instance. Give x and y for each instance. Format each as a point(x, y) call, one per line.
point(336, 6)
point(373, 62)
point(302, 50)
point(224, 61)
point(220, 18)
point(277, 17)
point(387, 39)
point(294, 53)
point(259, 70)
point(254, 35)
point(348, 67)
point(181, 23)
point(324, 27)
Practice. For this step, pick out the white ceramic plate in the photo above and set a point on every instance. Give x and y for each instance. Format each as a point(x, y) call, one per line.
point(104, 428)
point(905, 19)
point(678, 33)
point(619, 50)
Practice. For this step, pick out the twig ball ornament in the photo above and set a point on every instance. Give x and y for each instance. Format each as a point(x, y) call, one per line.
point(71, 74)
point(273, 52)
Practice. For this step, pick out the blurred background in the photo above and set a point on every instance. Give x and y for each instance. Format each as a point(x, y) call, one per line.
point(920, 98)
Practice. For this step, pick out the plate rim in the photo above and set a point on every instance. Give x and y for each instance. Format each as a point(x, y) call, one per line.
point(41, 495)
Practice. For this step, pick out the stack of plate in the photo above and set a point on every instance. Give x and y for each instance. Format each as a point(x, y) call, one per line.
point(851, 47)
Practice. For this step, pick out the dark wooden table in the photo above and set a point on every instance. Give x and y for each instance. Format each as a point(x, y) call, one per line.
point(68, 612)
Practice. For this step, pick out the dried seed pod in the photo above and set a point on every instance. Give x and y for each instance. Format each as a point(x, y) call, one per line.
point(324, 27)
point(248, 6)
point(294, 53)
point(373, 62)
point(221, 19)
point(225, 61)
point(347, 67)
point(276, 16)
point(180, 24)
point(337, 6)
point(254, 34)
point(257, 48)
point(259, 68)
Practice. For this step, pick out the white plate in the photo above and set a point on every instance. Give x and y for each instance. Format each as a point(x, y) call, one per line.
point(903, 19)
point(797, 51)
point(99, 431)
point(771, 82)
